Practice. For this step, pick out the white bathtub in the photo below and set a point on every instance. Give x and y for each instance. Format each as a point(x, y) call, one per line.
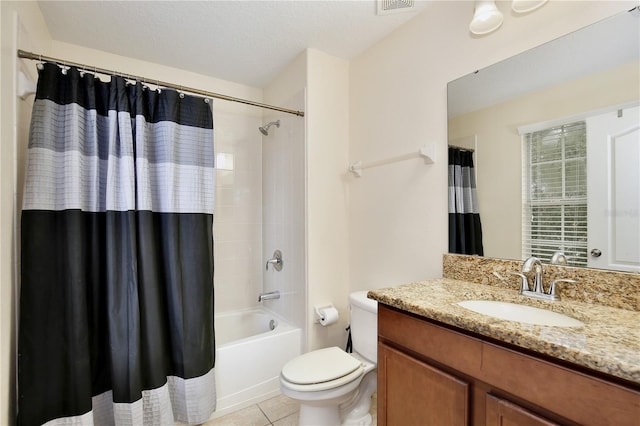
point(250, 355)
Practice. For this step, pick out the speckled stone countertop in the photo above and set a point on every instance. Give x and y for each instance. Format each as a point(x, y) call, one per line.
point(609, 341)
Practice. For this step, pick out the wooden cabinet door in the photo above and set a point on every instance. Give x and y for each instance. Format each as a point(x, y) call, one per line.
point(501, 412)
point(411, 392)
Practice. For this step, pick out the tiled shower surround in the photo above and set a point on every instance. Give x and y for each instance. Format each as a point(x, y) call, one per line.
point(238, 212)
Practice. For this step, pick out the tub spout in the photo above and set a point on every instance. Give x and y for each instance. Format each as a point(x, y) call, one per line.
point(269, 296)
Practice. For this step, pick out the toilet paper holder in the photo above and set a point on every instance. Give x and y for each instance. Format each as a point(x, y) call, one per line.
point(319, 311)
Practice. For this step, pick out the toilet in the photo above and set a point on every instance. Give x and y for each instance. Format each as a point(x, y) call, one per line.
point(332, 386)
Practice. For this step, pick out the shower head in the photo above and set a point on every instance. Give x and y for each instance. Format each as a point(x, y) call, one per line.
point(265, 129)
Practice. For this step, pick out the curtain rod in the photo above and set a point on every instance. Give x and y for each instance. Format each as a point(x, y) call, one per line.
point(461, 148)
point(28, 55)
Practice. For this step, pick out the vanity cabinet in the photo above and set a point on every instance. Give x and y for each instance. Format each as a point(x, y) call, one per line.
point(502, 412)
point(415, 390)
point(431, 374)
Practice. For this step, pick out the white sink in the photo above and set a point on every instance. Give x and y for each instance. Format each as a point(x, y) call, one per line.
point(520, 313)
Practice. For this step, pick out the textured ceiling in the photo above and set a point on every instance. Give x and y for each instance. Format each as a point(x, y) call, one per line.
point(248, 42)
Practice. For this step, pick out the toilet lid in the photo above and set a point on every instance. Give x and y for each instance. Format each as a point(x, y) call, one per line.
point(322, 365)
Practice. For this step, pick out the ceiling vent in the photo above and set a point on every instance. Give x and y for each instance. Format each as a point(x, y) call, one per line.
point(386, 7)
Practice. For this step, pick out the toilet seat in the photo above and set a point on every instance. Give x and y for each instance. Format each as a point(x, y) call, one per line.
point(320, 370)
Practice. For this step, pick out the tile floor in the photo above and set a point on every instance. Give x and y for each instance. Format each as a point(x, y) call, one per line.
point(277, 411)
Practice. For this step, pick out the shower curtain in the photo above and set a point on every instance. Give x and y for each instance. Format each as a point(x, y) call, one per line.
point(116, 303)
point(465, 229)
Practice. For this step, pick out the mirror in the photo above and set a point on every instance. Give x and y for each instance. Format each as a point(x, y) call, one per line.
point(589, 73)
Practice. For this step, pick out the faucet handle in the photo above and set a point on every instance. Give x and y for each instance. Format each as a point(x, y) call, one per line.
point(554, 284)
point(276, 261)
point(524, 283)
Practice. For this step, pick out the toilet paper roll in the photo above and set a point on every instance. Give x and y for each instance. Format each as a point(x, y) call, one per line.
point(328, 316)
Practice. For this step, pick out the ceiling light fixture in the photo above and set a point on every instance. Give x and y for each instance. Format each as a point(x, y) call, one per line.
point(486, 18)
point(524, 6)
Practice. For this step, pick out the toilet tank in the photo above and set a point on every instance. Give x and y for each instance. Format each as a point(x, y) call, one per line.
point(364, 325)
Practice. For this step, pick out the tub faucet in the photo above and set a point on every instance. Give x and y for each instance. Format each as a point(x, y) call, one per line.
point(276, 261)
point(269, 296)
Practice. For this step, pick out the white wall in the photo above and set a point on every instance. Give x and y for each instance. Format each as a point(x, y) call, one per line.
point(22, 26)
point(398, 213)
point(327, 194)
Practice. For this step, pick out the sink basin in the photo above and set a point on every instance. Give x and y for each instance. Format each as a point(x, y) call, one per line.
point(520, 313)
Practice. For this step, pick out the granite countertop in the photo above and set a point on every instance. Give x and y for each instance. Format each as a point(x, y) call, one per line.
point(609, 341)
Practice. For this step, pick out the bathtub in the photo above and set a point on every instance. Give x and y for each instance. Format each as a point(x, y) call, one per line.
point(252, 346)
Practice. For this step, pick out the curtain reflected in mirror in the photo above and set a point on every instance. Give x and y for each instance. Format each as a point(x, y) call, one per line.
point(465, 229)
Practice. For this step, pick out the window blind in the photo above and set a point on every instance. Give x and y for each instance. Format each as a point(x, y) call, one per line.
point(555, 193)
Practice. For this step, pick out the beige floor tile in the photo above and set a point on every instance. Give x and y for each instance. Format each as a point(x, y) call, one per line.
point(250, 416)
point(279, 407)
point(280, 410)
point(291, 420)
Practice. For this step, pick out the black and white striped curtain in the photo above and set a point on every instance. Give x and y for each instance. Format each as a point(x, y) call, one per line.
point(116, 303)
point(465, 230)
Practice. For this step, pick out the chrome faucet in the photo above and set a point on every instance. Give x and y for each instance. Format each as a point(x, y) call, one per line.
point(269, 296)
point(524, 283)
point(559, 258)
point(534, 264)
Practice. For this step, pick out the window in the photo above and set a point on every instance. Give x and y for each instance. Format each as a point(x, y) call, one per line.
point(555, 193)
